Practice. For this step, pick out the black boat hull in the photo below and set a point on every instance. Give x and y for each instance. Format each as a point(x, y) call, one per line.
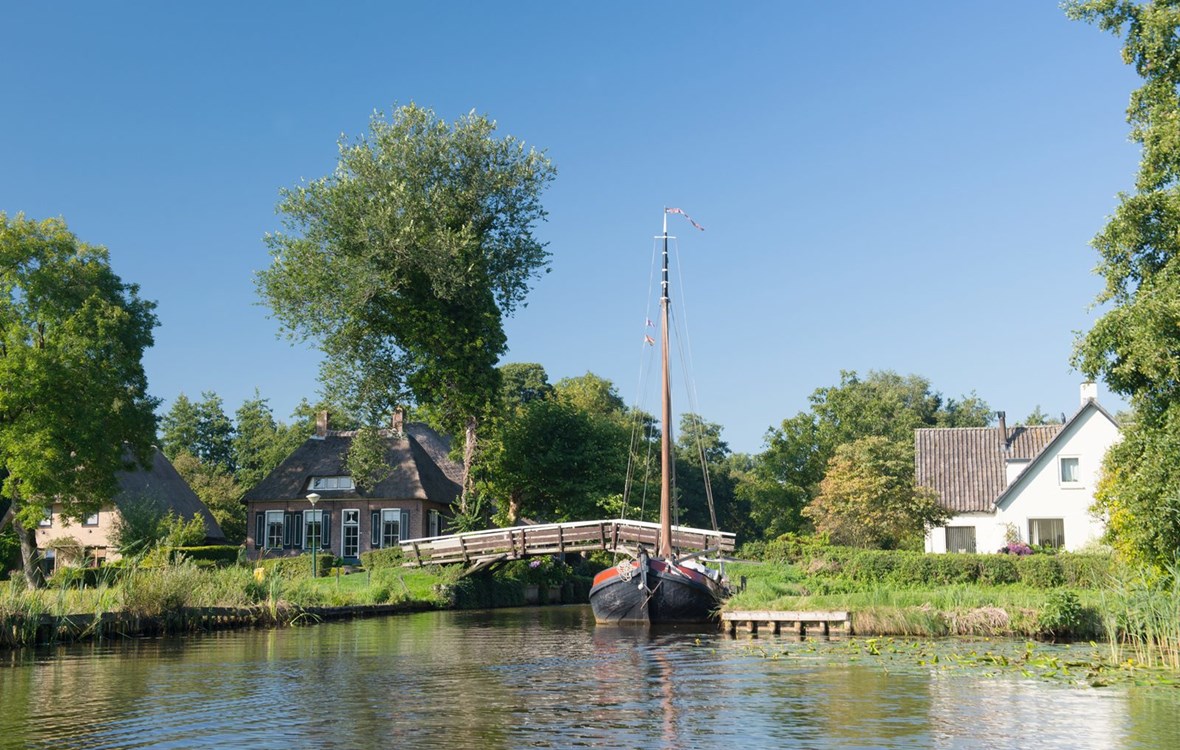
point(653, 591)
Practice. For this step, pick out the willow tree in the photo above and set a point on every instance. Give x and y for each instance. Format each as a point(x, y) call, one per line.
point(1135, 346)
point(73, 394)
point(402, 264)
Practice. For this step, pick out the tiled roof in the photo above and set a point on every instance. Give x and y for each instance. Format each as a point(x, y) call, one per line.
point(421, 469)
point(966, 465)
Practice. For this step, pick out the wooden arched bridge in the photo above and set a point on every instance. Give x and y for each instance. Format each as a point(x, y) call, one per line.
point(479, 549)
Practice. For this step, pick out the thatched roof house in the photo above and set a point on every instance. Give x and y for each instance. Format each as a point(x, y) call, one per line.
point(412, 501)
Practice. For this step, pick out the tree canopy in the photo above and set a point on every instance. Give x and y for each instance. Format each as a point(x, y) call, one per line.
point(867, 497)
point(73, 393)
point(1135, 345)
point(787, 476)
point(402, 264)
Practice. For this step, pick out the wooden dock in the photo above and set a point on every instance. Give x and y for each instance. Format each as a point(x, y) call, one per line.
point(477, 549)
point(803, 623)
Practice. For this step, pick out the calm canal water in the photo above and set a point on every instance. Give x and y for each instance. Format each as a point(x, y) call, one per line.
point(543, 677)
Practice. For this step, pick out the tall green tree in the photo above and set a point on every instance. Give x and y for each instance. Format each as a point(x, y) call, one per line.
point(402, 264)
point(1135, 346)
point(554, 462)
point(522, 382)
point(867, 497)
point(702, 455)
point(787, 475)
point(258, 447)
point(201, 429)
point(73, 394)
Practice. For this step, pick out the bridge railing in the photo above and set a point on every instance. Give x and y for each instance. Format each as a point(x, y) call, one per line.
point(518, 542)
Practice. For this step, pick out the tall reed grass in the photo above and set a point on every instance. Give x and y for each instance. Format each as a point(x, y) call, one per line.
point(1141, 611)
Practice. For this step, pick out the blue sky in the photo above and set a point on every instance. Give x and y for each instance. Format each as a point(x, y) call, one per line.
point(907, 186)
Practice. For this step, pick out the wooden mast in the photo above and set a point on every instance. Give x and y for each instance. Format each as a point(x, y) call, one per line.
point(665, 549)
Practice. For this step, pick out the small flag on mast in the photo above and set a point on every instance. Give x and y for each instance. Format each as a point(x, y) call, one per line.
point(690, 221)
point(649, 340)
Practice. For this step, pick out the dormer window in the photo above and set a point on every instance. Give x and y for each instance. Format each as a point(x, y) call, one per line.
point(331, 483)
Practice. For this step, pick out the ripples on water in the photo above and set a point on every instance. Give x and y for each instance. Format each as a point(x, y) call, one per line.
point(543, 677)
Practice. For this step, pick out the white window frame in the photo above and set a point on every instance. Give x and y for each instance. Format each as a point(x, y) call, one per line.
point(46, 520)
point(309, 517)
point(1037, 540)
point(267, 522)
point(1076, 482)
point(434, 522)
point(345, 525)
point(391, 515)
point(973, 535)
point(91, 520)
point(332, 483)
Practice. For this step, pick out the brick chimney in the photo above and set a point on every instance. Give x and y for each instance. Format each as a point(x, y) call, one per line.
point(321, 424)
point(399, 421)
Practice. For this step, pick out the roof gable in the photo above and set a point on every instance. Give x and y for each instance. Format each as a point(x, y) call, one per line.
point(1067, 430)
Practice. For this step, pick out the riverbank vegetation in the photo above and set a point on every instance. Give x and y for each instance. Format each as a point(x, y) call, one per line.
point(1135, 611)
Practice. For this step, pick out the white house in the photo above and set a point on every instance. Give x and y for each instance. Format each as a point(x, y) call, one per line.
point(1033, 483)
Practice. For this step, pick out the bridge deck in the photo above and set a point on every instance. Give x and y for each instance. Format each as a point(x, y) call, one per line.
point(480, 548)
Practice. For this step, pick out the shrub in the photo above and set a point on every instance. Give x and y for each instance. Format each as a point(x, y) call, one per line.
point(1085, 571)
point(219, 554)
point(380, 559)
point(298, 566)
point(1061, 615)
point(998, 569)
point(1041, 571)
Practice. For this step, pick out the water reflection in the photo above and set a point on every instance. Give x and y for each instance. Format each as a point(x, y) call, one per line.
point(542, 677)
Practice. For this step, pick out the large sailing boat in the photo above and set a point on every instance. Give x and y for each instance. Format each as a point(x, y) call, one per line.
point(658, 588)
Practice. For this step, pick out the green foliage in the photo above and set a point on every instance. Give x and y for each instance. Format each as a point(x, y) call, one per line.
point(298, 566)
point(260, 443)
point(218, 490)
point(1133, 346)
point(522, 382)
point(201, 429)
point(381, 559)
point(1061, 615)
point(142, 523)
point(221, 554)
point(1139, 490)
point(368, 459)
point(73, 394)
point(402, 263)
point(868, 499)
point(787, 475)
point(136, 529)
point(554, 462)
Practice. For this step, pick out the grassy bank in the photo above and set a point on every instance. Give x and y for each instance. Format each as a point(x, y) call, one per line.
point(182, 594)
point(1135, 612)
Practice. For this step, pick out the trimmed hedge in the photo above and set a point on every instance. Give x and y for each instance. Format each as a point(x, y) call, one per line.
point(903, 568)
point(377, 559)
point(221, 554)
point(298, 566)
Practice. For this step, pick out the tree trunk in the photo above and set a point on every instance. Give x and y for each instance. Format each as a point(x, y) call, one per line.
point(513, 508)
point(30, 560)
point(469, 448)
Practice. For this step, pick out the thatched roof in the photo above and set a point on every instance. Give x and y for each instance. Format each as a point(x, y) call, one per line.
point(421, 469)
point(161, 483)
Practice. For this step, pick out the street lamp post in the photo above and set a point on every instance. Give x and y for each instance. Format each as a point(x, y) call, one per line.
point(313, 498)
